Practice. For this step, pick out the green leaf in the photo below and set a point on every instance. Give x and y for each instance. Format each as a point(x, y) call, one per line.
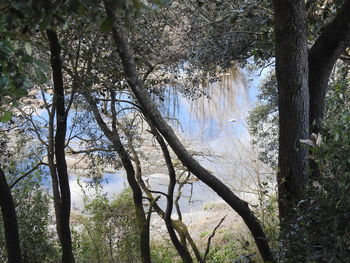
point(106, 25)
point(27, 59)
point(41, 65)
point(28, 48)
point(41, 77)
point(5, 116)
point(44, 24)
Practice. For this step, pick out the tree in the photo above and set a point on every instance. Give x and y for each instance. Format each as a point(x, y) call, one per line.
point(107, 229)
point(21, 18)
point(293, 101)
point(32, 202)
point(302, 80)
point(59, 147)
point(150, 110)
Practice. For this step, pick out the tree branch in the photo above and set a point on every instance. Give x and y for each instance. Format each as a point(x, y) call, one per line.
point(97, 149)
point(211, 236)
point(26, 174)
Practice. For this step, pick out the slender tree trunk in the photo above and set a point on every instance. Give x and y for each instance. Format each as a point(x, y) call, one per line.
point(151, 111)
point(114, 138)
point(61, 166)
point(182, 249)
point(172, 227)
point(52, 167)
point(293, 95)
point(9, 218)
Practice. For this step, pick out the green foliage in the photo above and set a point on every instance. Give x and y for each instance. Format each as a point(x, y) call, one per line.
point(164, 253)
point(107, 230)
point(329, 211)
point(263, 122)
point(226, 31)
point(16, 19)
point(38, 242)
point(266, 210)
point(231, 248)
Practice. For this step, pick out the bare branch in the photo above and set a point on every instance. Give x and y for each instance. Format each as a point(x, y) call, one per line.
point(158, 192)
point(71, 151)
point(211, 236)
point(26, 174)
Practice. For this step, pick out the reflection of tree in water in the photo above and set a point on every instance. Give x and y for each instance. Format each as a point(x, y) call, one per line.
point(227, 100)
point(207, 111)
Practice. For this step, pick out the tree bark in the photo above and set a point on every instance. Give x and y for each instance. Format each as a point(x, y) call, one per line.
point(61, 165)
point(293, 104)
point(293, 96)
point(151, 111)
point(52, 165)
point(9, 218)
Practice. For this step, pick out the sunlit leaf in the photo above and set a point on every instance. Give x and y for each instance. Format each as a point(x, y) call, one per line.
point(28, 48)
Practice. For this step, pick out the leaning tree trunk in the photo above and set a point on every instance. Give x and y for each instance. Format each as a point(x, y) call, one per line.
point(10, 221)
point(293, 96)
point(61, 165)
point(151, 111)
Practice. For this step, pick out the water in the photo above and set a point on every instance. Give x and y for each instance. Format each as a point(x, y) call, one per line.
point(203, 125)
point(206, 125)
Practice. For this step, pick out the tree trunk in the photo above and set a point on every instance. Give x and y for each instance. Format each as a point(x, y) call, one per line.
point(293, 96)
point(182, 249)
point(172, 227)
point(151, 111)
point(324, 53)
point(61, 166)
point(10, 221)
point(114, 138)
point(52, 166)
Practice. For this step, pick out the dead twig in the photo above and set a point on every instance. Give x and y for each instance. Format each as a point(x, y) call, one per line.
point(211, 236)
